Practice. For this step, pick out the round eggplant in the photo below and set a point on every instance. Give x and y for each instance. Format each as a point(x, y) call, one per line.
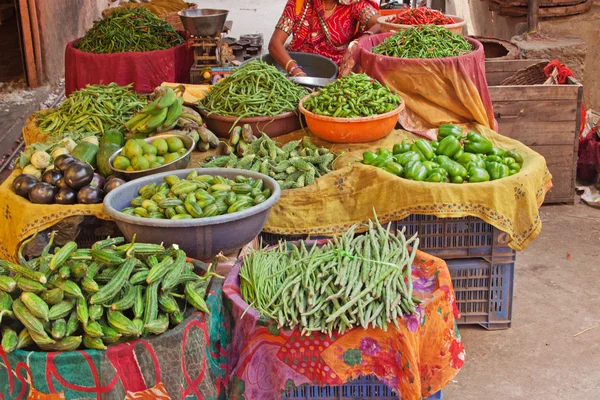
point(90, 195)
point(42, 193)
point(66, 196)
point(62, 162)
point(23, 184)
point(78, 175)
point(52, 176)
point(61, 184)
point(97, 181)
point(112, 184)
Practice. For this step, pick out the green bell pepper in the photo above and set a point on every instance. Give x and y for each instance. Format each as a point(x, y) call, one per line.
point(384, 151)
point(446, 130)
point(369, 157)
point(416, 171)
point(509, 161)
point(393, 168)
point(459, 153)
point(454, 169)
point(434, 145)
point(476, 143)
point(425, 148)
point(496, 170)
point(497, 151)
point(477, 174)
point(449, 146)
point(477, 163)
point(513, 169)
point(457, 179)
point(493, 159)
point(467, 158)
point(400, 148)
point(516, 156)
point(381, 160)
point(430, 165)
point(440, 171)
point(441, 159)
point(405, 158)
point(434, 177)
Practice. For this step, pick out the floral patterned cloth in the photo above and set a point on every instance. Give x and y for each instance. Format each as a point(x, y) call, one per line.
point(418, 359)
point(328, 36)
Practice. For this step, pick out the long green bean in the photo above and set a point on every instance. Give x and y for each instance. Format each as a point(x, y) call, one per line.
point(424, 41)
point(255, 89)
point(129, 30)
point(353, 280)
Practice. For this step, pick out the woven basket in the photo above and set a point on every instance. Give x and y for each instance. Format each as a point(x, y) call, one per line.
point(532, 75)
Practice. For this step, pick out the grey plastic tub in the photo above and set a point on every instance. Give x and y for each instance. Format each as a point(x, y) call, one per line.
point(200, 238)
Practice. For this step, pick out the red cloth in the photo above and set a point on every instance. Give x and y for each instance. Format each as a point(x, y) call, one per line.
point(563, 73)
point(313, 33)
point(145, 70)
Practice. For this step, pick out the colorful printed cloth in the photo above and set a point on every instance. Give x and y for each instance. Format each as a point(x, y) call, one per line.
point(189, 361)
point(328, 36)
point(416, 360)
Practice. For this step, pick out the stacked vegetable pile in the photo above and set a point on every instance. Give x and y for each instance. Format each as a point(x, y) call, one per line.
point(454, 158)
point(197, 196)
point(354, 280)
point(420, 16)
point(423, 41)
point(108, 294)
point(129, 30)
point(355, 95)
point(255, 89)
point(69, 182)
point(294, 165)
point(95, 109)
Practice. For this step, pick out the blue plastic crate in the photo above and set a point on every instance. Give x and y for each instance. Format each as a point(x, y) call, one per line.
point(484, 290)
point(363, 388)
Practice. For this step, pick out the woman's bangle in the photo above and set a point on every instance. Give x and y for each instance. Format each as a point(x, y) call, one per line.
point(368, 33)
point(295, 67)
point(288, 64)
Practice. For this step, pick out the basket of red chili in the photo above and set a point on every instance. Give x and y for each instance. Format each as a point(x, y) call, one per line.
point(408, 17)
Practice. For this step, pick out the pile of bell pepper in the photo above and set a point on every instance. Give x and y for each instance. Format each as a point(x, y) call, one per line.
point(452, 158)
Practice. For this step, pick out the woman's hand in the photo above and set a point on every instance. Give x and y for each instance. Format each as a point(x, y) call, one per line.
point(299, 72)
point(347, 64)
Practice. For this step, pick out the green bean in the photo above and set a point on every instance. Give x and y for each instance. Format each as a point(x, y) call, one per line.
point(423, 41)
point(129, 30)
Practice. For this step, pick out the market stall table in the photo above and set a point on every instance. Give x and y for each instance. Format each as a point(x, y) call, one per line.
point(418, 359)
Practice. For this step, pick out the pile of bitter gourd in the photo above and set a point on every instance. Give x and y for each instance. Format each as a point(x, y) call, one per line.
point(353, 280)
point(110, 293)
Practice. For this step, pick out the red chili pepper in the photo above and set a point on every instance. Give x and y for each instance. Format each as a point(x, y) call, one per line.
point(421, 16)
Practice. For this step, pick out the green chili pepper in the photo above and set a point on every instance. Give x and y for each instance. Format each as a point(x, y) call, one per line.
point(475, 143)
point(416, 171)
point(425, 148)
point(516, 156)
point(449, 130)
point(477, 174)
point(448, 146)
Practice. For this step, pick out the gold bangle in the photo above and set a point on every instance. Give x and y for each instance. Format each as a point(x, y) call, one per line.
point(288, 64)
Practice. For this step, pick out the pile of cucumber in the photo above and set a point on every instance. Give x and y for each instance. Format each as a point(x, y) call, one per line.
point(110, 293)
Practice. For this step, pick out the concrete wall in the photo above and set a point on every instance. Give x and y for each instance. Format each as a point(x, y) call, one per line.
point(61, 21)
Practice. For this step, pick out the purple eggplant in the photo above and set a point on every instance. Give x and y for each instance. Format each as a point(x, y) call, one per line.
point(51, 177)
point(97, 181)
point(23, 184)
point(42, 193)
point(66, 196)
point(63, 161)
point(90, 195)
point(78, 174)
point(112, 184)
point(61, 184)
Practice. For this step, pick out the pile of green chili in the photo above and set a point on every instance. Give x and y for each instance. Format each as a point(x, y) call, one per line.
point(129, 30)
point(255, 89)
point(424, 41)
point(353, 280)
point(96, 108)
point(355, 95)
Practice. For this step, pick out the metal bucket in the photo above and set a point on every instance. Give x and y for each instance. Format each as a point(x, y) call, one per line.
point(204, 21)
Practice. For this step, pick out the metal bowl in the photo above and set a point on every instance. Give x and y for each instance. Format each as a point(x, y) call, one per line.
point(200, 238)
point(203, 21)
point(314, 65)
point(180, 163)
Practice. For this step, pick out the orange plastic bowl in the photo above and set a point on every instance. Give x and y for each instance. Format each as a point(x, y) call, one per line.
point(350, 130)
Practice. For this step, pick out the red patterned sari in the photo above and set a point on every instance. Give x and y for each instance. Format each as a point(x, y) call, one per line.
point(312, 32)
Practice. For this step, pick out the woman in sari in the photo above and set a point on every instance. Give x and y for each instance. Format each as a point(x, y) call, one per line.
point(329, 28)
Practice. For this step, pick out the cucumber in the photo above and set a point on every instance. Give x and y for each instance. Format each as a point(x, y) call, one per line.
point(86, 152)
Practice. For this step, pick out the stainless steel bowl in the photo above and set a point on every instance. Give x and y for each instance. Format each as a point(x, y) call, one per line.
point(180, 163)
point(203, 21)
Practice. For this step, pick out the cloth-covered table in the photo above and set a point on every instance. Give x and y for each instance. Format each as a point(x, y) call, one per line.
point(416, 360)
point(187, 362)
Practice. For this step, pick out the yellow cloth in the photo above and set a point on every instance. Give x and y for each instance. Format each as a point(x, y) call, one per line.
point(19, 218)
point(349, 194)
